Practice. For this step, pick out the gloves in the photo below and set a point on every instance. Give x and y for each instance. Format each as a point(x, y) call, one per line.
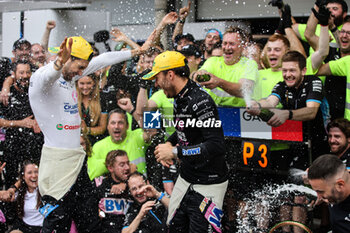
point(287, 17)
point(322, 15)
point(320, 3)
point(278, 3)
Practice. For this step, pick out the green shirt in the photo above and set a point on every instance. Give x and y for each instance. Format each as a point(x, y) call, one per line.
point(266, 82)
point(341, 67)
point(166, 106)
point(133, 144)
point(244, 68)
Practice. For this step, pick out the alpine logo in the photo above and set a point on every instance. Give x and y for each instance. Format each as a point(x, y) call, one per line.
point(67, 127)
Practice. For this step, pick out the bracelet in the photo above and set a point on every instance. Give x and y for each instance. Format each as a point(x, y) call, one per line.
point(14, 187)
point(132, 111)
point(258, 104)
point(290, 115)
point(182, 21)
point(57, 66)
point(334, 29)
point(161, 196)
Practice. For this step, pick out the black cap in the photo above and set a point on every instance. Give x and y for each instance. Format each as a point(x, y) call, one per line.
point(191, 50)
point(18, 43)
point(187, 36)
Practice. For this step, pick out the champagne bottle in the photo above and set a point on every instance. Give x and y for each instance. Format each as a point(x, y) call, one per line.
point(203, 78)
point(265, 114)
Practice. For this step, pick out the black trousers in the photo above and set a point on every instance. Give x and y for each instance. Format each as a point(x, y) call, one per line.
point(79, 204)
point(188, 217)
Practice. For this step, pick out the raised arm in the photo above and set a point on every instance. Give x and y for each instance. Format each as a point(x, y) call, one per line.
point(51, 24)
point(119, 36)
point(183, 13)
point(295, 43)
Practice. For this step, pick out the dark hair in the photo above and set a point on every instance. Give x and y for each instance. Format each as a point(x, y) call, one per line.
point(117, 110)
point(23, 62)
point(22, 190)
point(276, 37)
point(183, 71)
point(110, 158)
point(343, 4)
point(152, 51)
point(136, 173)
point(295, 56)
point(341, 123)
point(325, 167)
point(242, 33)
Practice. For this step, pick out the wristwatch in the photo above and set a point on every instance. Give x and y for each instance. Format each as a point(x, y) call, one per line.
point(175, 151)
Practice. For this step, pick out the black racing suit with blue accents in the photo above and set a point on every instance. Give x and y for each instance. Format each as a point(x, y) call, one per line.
point(199, 137)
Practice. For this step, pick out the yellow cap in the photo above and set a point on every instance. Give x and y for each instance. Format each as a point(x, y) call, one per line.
point(80, 48)
point(165, 61)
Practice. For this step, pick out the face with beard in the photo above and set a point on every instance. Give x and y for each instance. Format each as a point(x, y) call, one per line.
point(163, 82)
point(73, 68)
point(330, 190)
point(337, 13)
point(120, 170)
point(292, 74)
point(22, 75)
point(338, 141)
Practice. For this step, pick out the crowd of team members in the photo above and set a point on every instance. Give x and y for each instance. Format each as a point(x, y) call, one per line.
point(111, 102)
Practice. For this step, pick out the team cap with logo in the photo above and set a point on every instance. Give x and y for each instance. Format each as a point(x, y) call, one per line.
point(165, 61)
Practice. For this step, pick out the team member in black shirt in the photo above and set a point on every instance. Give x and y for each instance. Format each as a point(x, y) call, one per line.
point(198, 143)
point(329, 177)
point(300, 97)
point(23, 137)
point(339, 139)
point(112, 192)
point(148, 212)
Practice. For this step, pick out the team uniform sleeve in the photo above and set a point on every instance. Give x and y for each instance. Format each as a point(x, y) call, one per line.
point(213, 139)
point(315, 91)
point(129, 217)
point(106, 59)
point(46, 76)
point(278, 91)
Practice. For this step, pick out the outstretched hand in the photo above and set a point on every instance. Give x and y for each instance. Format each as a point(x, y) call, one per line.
point(118, 35)
point(65, 52)
point(323, 15)
point(183, 13)
point(169, 18)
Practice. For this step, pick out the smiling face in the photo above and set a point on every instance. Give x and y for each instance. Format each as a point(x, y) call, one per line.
point(120, 170)
point(344, 37)
point(38, 53)
point(135, 183)
point(329, 190)
point(22, 74)
point(31, 176)
point(232, 47)
point(275, 51)
point(86, 85)
point(117, 127)
point(163, 82)
point(337, 141)
point(292, 74)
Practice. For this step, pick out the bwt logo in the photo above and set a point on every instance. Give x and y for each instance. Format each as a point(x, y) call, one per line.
point(151, 120)
point(67, 127)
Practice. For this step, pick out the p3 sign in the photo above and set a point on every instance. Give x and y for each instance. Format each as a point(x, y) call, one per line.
point(255, 155)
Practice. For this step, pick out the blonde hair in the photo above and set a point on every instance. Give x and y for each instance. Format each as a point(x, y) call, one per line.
point(94, 103)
